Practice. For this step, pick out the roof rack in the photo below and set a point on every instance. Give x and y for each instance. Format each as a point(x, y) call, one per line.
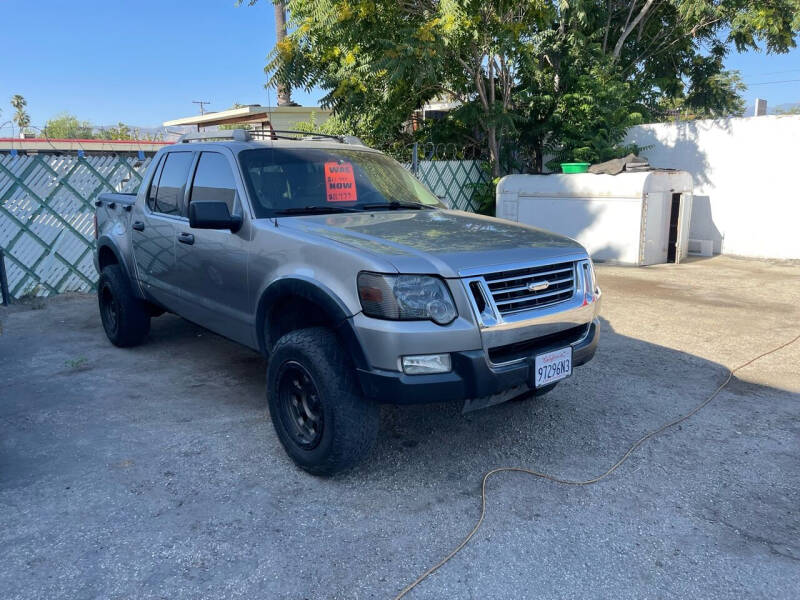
point(245, 135)
point(238, 135)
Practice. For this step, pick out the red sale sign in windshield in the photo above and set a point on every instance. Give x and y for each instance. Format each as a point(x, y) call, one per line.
point(340, 183)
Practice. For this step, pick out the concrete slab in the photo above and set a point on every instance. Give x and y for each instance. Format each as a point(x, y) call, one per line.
point(154, 472)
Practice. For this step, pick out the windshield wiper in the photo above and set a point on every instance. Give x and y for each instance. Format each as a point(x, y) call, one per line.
point(393, 205)
point(314, 210)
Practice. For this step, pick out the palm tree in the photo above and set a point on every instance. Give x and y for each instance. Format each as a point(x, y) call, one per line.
point(284, 91)
point(21, 117)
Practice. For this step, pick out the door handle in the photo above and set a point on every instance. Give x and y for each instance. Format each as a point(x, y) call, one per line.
point(138, 226)
point(186, 238)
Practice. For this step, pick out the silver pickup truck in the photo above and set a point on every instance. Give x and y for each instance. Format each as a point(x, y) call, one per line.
point(354, 280)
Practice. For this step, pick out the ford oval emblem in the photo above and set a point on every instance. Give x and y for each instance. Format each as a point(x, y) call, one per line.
point(538, 287)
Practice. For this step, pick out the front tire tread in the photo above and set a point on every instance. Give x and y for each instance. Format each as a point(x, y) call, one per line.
point(351, 421)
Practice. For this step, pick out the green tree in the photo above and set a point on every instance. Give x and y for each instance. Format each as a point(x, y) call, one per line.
point(332, 126)
point(533, 77)
point(792, 110)
point(21, 117)
point(121, 131)
point(380, 61)
point(149, 137)
point(118, 132)
point(67, 126)
point(725, 88)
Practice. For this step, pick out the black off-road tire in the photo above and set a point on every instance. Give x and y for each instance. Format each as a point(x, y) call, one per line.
point(308, 368)
point(126, 318)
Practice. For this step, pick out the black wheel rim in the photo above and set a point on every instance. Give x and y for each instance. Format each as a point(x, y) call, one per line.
point(109, 308)
point(300, 405)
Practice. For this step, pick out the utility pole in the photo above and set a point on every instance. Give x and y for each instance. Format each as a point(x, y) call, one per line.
point(202, 104)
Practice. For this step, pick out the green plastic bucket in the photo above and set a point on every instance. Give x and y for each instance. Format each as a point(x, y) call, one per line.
point(574, 167)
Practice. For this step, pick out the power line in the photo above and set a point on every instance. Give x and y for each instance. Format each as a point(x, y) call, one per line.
point(781, 72)
point(771, 82)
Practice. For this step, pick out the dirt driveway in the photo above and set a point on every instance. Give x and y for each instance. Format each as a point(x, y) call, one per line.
point(155, 472)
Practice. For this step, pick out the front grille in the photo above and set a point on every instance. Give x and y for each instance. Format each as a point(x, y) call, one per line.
point(514, 291)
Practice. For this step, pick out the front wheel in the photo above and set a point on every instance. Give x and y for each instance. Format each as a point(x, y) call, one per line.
point(317, 409)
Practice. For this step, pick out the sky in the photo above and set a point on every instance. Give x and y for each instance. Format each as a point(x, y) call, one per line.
point(144, 62)
point(141, 62)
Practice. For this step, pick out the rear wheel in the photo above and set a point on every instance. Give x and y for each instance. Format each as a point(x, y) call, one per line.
point(317, 409)
point(125, 317)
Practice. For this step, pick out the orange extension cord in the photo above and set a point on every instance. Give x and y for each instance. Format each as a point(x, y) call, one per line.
point(591, 481)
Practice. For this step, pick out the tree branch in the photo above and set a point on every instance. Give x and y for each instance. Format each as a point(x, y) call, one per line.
point(630, 27)
point(491, 80)
point(664, 45)
point(477, 75)
point(630, 13)
point(608, 26)
point(506, 78)
point(642, 23)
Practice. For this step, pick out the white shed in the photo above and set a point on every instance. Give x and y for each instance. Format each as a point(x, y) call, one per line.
point(634, 218)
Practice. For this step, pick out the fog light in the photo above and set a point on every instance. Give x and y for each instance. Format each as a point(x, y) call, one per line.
point(426, 363)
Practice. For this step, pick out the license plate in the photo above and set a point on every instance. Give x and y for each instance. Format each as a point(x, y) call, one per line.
point(552, 366)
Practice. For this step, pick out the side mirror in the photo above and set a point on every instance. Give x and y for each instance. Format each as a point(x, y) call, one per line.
point(213, 215)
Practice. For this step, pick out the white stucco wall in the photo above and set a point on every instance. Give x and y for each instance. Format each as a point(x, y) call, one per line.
point(746, 179)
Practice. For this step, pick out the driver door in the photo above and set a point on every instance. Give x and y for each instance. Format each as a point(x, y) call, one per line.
point(212, 263)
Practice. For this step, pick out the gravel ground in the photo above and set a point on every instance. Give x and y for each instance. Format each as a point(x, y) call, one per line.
point(155, 472)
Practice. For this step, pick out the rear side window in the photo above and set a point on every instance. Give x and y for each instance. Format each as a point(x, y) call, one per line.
point(169, 195)
point(151, 192)
point(213, 181)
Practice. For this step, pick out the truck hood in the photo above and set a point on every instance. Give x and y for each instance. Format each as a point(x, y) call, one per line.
point(437, 241)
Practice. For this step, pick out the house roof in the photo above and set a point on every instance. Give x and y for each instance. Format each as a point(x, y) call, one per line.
point(50, 145)
point(246, 114)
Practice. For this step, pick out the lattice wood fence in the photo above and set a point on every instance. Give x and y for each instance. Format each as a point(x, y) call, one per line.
point(46, 216)
point(452, 180)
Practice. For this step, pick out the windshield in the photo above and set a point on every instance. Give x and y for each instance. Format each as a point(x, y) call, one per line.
point(286, 181)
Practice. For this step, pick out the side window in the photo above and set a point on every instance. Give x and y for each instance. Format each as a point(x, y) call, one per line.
point(153, 189)
point(169, 195)
point(213, 181)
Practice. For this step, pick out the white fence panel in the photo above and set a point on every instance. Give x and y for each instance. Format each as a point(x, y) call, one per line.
point(46, 216)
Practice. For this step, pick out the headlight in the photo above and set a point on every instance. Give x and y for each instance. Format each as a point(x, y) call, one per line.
point(406, 298)
point(589, 282)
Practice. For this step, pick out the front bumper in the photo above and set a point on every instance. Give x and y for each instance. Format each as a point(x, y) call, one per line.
point(472, 376)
